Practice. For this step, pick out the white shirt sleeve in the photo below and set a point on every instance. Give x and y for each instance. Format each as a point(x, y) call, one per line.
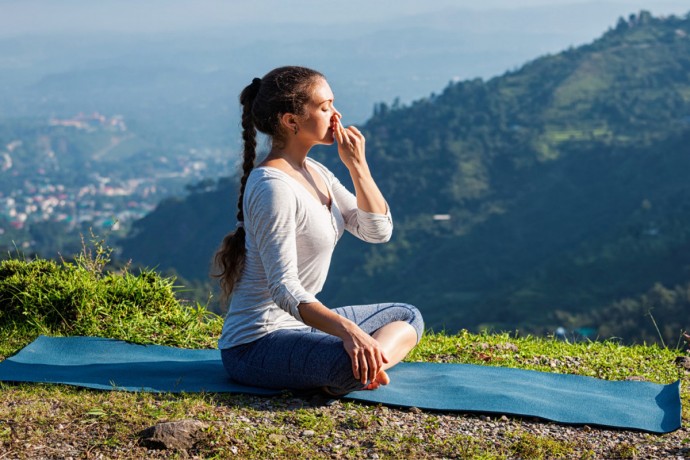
point(367, 226)
point(271, 212)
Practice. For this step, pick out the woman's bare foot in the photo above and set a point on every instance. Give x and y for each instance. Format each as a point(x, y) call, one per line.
point(381, 379)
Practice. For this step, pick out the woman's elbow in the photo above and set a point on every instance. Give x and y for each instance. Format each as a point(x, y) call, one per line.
point(378, 237)
point(385, 238)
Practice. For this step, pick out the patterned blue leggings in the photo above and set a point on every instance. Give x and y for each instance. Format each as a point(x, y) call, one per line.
point(303, 359)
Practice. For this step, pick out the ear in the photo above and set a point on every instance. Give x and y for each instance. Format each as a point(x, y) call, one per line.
point(289, 121)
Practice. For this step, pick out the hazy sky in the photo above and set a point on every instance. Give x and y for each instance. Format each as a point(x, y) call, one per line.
point(20, 17)
point(372, 50)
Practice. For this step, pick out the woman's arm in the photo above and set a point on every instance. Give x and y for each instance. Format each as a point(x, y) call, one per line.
point(351, 148)
point(366, 215)
point(271, 209)
point(365, 352)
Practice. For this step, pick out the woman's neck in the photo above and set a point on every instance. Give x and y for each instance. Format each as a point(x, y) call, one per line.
point(273, 158)
point(294, 155)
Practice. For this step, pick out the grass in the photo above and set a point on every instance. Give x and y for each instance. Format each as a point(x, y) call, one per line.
point(81, 297)
point(530, 446)
point(606, 360)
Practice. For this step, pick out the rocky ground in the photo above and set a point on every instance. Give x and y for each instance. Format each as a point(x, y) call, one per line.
point(288, 427)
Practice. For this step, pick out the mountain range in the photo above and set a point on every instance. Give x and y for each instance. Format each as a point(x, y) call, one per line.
point(524, 201)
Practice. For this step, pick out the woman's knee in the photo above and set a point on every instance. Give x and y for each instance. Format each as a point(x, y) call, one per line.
point(414, 318)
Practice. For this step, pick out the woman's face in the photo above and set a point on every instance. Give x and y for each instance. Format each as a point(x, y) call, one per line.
point(315, 126)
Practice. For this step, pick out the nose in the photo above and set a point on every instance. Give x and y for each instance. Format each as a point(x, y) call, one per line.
point(337, 112)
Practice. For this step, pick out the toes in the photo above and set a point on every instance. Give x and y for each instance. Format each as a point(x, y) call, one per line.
point(383, 378)
point(372, 386)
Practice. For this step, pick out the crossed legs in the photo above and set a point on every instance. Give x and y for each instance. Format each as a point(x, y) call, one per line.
point(303, 359)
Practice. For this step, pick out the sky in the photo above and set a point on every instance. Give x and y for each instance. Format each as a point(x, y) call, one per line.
point(371, 50)
point(19, 17)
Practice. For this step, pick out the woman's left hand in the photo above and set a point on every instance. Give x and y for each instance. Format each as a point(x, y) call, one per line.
point(351, 150)
point(350, 143)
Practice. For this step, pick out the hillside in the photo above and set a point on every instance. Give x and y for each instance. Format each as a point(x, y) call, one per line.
point(82, 298)
point(564, 181)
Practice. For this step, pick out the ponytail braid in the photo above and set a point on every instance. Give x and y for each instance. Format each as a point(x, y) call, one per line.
point(249, 137)
point(231, 255)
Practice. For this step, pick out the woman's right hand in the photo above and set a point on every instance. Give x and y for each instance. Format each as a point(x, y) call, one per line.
point(365, 353)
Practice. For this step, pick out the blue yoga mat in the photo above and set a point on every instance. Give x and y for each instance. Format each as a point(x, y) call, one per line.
point(108, 364)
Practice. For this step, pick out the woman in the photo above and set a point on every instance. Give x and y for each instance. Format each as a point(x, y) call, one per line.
point(292, 211)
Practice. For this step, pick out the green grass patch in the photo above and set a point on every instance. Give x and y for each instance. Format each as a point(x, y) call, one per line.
point(82, 298)
point(607, 359)
point(585, 83)
point(527, 445)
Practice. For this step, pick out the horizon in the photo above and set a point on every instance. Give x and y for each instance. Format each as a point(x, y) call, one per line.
point(416, 49)
point(402, 52)
point(69, 17)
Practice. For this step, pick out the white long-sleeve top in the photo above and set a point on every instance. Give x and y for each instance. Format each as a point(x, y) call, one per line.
point(290, 237)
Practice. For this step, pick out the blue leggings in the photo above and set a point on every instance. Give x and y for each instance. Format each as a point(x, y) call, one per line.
point(311, 359)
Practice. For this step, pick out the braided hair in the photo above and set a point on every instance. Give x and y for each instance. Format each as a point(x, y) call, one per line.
point(264, 101)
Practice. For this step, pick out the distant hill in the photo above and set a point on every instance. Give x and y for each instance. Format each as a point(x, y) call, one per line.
point(565, 182)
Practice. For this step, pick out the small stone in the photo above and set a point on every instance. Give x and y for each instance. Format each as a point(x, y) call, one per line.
point(181, 434)
point(374, 456)
point(484, 418)
point(587, 428)
point(683, 361)
point(308, 433)
point(234, 450)
point(415, 410)
point(504, 418)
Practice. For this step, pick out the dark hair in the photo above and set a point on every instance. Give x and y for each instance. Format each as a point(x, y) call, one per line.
point(264, 101)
